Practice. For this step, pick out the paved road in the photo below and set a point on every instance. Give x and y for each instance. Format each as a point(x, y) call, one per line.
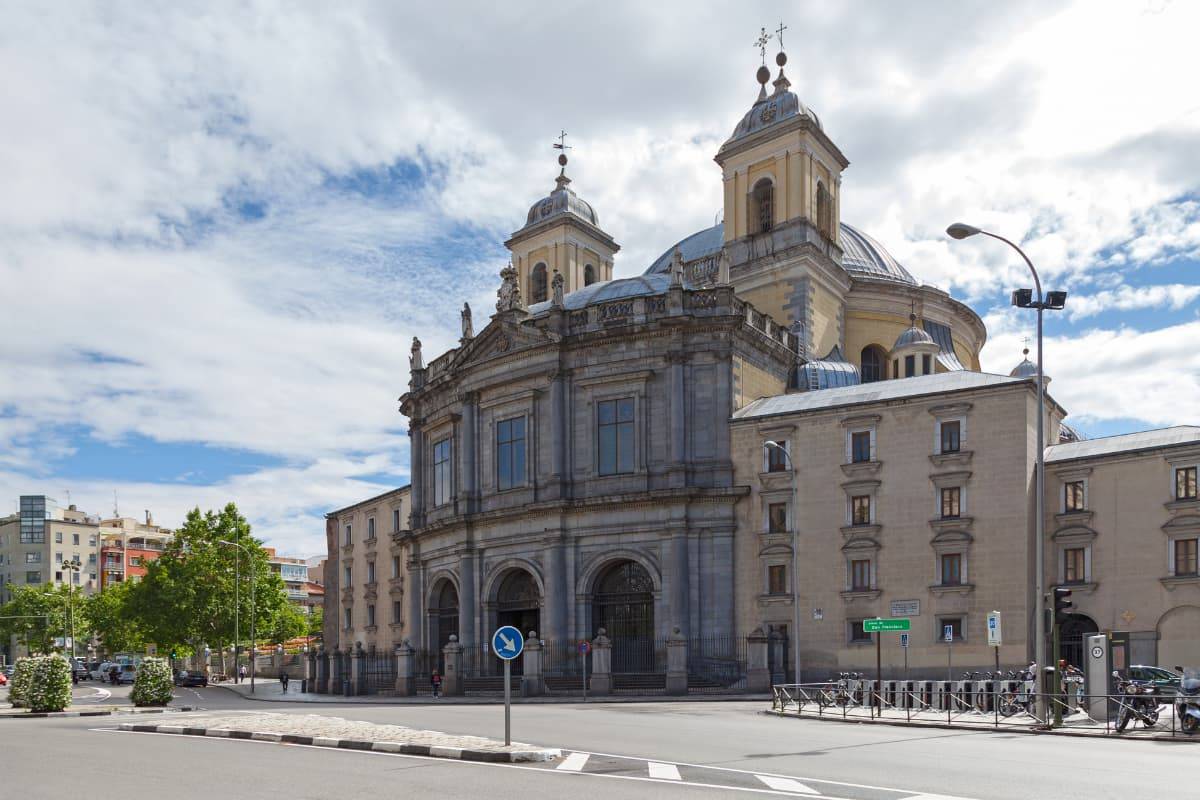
point(644, 750)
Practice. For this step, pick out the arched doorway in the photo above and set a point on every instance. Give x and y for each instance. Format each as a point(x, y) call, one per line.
point(443, 614)
point(1074, 630)
point(623, 604)
point(1178, 644)
point(518, 603)
point(872, 363)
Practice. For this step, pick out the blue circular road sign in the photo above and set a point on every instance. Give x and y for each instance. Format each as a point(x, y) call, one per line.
point(585, 647)
point(507, 642)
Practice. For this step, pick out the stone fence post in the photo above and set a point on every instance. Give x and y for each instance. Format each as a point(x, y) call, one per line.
point(677, 677)
point(323, 672)
point(601, 681)
point(452, 678)
point(531, 673)
point(335, 672)
point(406, 685)
point(778, 656)
point(758, 676)
point(358, 670)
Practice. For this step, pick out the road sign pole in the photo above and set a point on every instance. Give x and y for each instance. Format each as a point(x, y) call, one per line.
point(507, 703)
point(877, 703)
point(996, 688)
point(949, 674)
point(583, 671)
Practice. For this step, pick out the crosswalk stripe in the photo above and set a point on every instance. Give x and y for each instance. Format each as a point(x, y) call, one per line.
point(934, 797)
point(668, 772)
point(786, 785)
point(574, 762)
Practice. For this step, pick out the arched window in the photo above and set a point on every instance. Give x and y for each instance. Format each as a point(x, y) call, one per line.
point(762, 206)
point(537, 284)
point(824, 210)
point(518, 602)
point(872, 364)
point(589, 275)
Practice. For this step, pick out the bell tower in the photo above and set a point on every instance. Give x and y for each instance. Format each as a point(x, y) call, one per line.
point(562, 234)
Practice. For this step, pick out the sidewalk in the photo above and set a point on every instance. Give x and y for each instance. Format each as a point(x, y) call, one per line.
point(268, 690)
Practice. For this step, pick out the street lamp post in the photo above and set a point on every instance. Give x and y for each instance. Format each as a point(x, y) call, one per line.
point(253, 610)
point(795, 558)
point(1053, 301)
point(68, 567)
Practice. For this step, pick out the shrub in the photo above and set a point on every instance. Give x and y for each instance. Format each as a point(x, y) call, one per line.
point(18, 689)
point(153, 684)
point(50, 685)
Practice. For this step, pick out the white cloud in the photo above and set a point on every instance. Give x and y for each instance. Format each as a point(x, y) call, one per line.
point(1127, 298)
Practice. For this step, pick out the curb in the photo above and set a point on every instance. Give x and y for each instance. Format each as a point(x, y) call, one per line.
point(969, 727)
point(45, 714)
point(401, 748)
point(545, 700)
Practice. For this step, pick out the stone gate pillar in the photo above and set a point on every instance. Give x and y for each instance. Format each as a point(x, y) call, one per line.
point(601, 680)
point(758, 676)
point(452, 684)
point(406, 685)
point(677, 676)
point(531, 674)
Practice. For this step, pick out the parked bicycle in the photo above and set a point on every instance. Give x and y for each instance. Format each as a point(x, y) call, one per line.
point(841, 694)
point(1019, 700)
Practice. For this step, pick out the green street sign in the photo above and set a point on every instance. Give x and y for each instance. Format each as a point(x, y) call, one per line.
point(877, 625)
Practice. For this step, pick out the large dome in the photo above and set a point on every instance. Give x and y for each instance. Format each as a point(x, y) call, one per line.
point(862, 256)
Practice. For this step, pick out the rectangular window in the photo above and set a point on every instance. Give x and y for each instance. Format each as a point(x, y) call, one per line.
point(395, 519)
point(349, 537)
point(951, 569)
point(777, 518)
point(1073, 565)
point(347, 622)
point(860, 575)
point(910, 366)
point(395, 566)
point(951, 502)
point(956, 628)
point(895, 368)
point(860, 446)
point(370, 528)
point(441, 472)
point(614, 421)
point(75, 538)
point(510, 453)
point(1185, 483)
point(33, 577)
point(926, 364)
point(370, 615)
point(58, 537)
point(860, 508)
point(370, 572)
point(91, 558)
point(1185, 556)
point(1073, 496)
point(777, 579)
point(33, 558)
point(777, 460)
point(347, 574)
point(135, 561)
point(951, 435)
point(857, 634)
point(396, 608)
point(75, 577)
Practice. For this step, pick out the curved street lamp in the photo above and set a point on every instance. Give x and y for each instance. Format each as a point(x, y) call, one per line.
point(1023, 298)
point(795, 508)
point(253, 610)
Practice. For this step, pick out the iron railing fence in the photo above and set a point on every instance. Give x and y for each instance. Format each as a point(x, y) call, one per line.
point(717, 664)
point(378, 672)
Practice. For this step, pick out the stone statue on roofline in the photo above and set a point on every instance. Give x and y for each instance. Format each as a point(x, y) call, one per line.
point(468, 330)
point(556, 285)
point(677, 267)
point(415, 362)
point(508, 298)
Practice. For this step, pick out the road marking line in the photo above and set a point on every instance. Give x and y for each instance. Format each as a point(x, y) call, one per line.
point(573, 762)
point(788, 785)
point(668, 772)
point(934, 797)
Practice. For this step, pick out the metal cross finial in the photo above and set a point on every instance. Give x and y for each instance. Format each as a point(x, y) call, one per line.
point(780, 31)
point(761, 44)
point(562, 142)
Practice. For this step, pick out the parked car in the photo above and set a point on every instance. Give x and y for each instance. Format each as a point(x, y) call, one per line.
point(191, 677)
point(3, 679)
point(79, 670)
point(127, 674)
point(1164, 681)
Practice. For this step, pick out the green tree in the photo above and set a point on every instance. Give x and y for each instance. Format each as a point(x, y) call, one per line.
point(316, 622)
point(187, 597)
point(112, 619)
point(289, 623)
point(45, 612)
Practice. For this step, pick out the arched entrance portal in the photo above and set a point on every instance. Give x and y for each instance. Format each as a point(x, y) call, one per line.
point(1075, 629)
point(623, 604)
point(517, 602)
point(443, 615)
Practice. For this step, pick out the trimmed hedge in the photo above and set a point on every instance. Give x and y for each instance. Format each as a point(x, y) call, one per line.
point(50, 685)
point(18, 688)
point(153, 684)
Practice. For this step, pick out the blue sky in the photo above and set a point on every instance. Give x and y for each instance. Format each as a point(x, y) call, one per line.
point(224, 223)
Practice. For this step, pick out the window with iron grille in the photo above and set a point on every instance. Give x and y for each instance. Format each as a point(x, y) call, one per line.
point(777, 579)
point(762, 202)
point(1185, 557)
point(951, 569)
point(860, 575)
point(1185, 483)
point(860, 507)
point(777, 518)
point(951, 502)
point(1074, 565)
point(1073, 496)
point(951, 435)
point(860, 446)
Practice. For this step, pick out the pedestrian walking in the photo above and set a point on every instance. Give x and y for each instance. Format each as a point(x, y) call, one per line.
point(283, 679)
point(241, 673)
point(435, 680)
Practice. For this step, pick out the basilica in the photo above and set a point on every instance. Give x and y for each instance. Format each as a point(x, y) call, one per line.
point(773, 432)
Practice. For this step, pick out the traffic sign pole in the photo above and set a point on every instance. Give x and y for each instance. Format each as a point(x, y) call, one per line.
point(507, 644)
point(877, 703)
point(507, 702)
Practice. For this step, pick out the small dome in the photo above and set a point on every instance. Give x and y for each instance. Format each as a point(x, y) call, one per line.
point(912, 336)
point(1026, 369)
point(562, 201)
point(770, 111)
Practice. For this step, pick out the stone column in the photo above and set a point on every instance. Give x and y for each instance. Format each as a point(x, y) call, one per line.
point(452, 684)
point(531, 675)
point(468, 606)
point(470, 492)
point(678, 468)
point(558, 434)
point(677, 677)
point(555, 602)
point(406, 684)
point(601, 677)
point(417, 478)
point(358, 671)
point(758, 675)
point(335, 672)
point(323, 672)
point(679, 569)
point(413, 591)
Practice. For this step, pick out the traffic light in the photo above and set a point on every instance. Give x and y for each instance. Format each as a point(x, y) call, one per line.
point(172, 655)
point(1062, 602)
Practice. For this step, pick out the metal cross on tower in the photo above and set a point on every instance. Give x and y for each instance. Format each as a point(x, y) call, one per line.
point(779, 31)
point(761, 44)
point(562, 142)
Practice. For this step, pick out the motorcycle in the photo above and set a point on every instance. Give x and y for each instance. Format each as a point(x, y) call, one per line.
point(1187, 701)
point(1138, 701)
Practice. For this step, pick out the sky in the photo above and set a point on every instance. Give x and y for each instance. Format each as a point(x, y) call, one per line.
point(222, 223)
